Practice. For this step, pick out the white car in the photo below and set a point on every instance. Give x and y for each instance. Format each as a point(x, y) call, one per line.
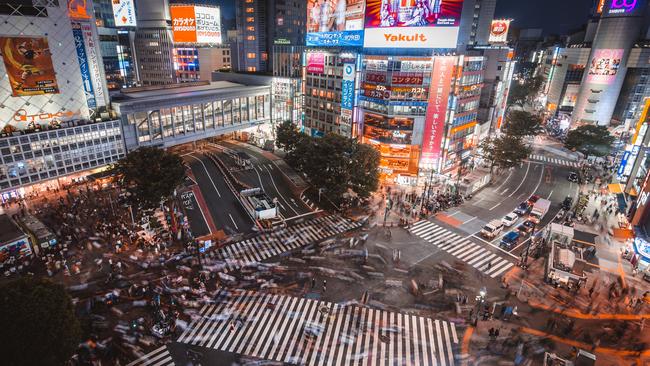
point(509, 219)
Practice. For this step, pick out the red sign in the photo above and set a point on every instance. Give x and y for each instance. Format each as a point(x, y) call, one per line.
point(316, 62)
point(406, 80)
point(434, 124)
point(376, 78)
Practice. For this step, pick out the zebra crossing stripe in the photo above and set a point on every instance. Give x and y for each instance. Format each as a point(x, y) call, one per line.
point(193, 323)
point(160, 355)
point(505, 268)
point(450, 356)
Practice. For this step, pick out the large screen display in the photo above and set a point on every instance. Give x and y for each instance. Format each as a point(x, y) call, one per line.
point(412, 23)
point(196, 24)
point(604, 66)
point(335, 22)
point(124, 13)
point(29, 65)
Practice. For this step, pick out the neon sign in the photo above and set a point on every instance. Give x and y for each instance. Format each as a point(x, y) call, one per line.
point(622, 6)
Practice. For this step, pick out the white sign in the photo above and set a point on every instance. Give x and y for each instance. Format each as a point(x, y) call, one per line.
point(124, 13)
point(418, 37)
point(208, 25)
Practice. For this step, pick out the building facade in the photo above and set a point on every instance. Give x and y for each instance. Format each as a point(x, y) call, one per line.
point(212, 59)
point(154, 43)
point(499, 70)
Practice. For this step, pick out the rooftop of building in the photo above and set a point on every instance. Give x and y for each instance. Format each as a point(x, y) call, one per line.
point(183, 91)
point(9, 231)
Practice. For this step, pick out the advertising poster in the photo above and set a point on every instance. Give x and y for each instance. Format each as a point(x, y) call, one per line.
point(95, 68)
point(499, 31)
point(316, 62)
point(436, 114)
point(412, 23)
point(623, 8)
point(335, 22)
point(196, 24)
point(29, 65)
point(84, 68)
point(604, 66)
point(124, 13)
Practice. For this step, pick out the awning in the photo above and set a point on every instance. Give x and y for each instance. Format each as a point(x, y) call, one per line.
point(615, 188)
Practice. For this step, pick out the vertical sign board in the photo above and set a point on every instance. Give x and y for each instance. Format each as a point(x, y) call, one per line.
point(347, 87)
point(78, 36)
point(441, 76)
point(93, 62)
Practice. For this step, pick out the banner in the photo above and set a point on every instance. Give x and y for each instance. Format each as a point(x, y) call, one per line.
point(82, 58)
point(434, 124)
point(196, 24)
point(335, 22)
point(124, 13)
point(94, 66)
point(604, 66)
point(499, 31)
point(29, 65)
point(347, 88)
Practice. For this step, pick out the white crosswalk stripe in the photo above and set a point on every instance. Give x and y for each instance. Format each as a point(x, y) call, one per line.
point(158, 357)
point(316, 333)
point(556, 161)
point(268, 245)
point(462, 248)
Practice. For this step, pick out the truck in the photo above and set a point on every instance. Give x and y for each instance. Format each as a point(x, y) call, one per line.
point(540, 208)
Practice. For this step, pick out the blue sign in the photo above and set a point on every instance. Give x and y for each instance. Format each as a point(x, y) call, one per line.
point(316, 133)
point(83, 65)
point(621, 168)
point(347, 94)
point(334, 39)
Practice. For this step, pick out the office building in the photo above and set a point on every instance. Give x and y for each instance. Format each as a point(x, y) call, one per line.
point(213, 59)
point(498, 73)
point(475, 22)
point(58, 122)
point(262, 24)
point(154, 43)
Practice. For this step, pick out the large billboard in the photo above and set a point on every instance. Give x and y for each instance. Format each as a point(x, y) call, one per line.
point(434, 124)
point(623, 8)
point(604, 66)
point(499, 31)
point(412, 23)
point(335, 22)
point(124, 13)
point(84, 67)
point(196, 24)
point(29, 65)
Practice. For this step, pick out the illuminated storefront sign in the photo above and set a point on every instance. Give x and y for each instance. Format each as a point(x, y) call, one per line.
point(604, 66)
point(196, 24)
point(499, 31)
point(84, 68)
point(412, 24)
point(347, 87)
point(335, 22)
point(316, 62)
point(622, 6)
point(440, 89)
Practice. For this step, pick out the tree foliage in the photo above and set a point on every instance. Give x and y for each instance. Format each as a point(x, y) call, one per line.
point(525, 92)
point(590, 140)
point(335, 163)
point(39, 326)
point(504, 152)
point(522, 123)
point(149, 174)
point(286, 136)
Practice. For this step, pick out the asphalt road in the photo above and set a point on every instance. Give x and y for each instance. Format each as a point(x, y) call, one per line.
point(226, 210)
point(268, 177)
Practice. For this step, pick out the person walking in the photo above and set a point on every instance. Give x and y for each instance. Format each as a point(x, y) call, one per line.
point(324, 285)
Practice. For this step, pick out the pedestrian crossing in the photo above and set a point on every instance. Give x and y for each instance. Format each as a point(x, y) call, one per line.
point(268, 245)
point(462, 248)
point(557, 161)
point(310, 332)
point(158, 357)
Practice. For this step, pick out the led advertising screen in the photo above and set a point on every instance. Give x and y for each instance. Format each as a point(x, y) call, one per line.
point(196, 24)
point(604, 66)
point(412, 23)
point(29, 65)
point(124, 13)
point(443, 68)
point(623, 8)
point(499, 31)
point(335, 22)
point(316, 62)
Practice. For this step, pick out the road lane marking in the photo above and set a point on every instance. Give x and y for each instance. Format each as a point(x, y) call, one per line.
point(522, 181)
point(495, 206)
point(207, 173)
point(233, 222)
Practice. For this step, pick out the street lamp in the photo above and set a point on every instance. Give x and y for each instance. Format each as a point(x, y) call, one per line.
point(479, 303)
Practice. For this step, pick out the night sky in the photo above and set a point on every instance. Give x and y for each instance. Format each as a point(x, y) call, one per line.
point(554, 16)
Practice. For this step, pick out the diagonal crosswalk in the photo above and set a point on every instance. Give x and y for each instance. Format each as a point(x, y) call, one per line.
point(317, 333)
point(462, 248)
point(557, 161)
point(268, 245)
point(157, 357)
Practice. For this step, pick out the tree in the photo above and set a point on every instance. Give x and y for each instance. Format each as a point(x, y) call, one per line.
point(522, 92)
point(522, 123)
point(589, 140)
point(504, 152)
point(364, 169)
point(287, 136)
point(150, 175)
point(39, 326)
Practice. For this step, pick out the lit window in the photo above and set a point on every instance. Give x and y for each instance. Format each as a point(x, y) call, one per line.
point(252, 69)
point(250, 38)
point(265, 56)
point(250, 28)
point(250, 10)
point(249, 1)
point(250, 19)
point(250, 55)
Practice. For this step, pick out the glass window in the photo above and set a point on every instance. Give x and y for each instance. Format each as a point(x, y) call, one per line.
point(208, 115)
point(166, 122)
point(227, 112)
point(177, 113)
point(218, 114)
point(187, 118)
point(244, 109)
point(154, 120)
point(236, 111)
point(251, 108)
point(260, 106)
point(198, 116)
